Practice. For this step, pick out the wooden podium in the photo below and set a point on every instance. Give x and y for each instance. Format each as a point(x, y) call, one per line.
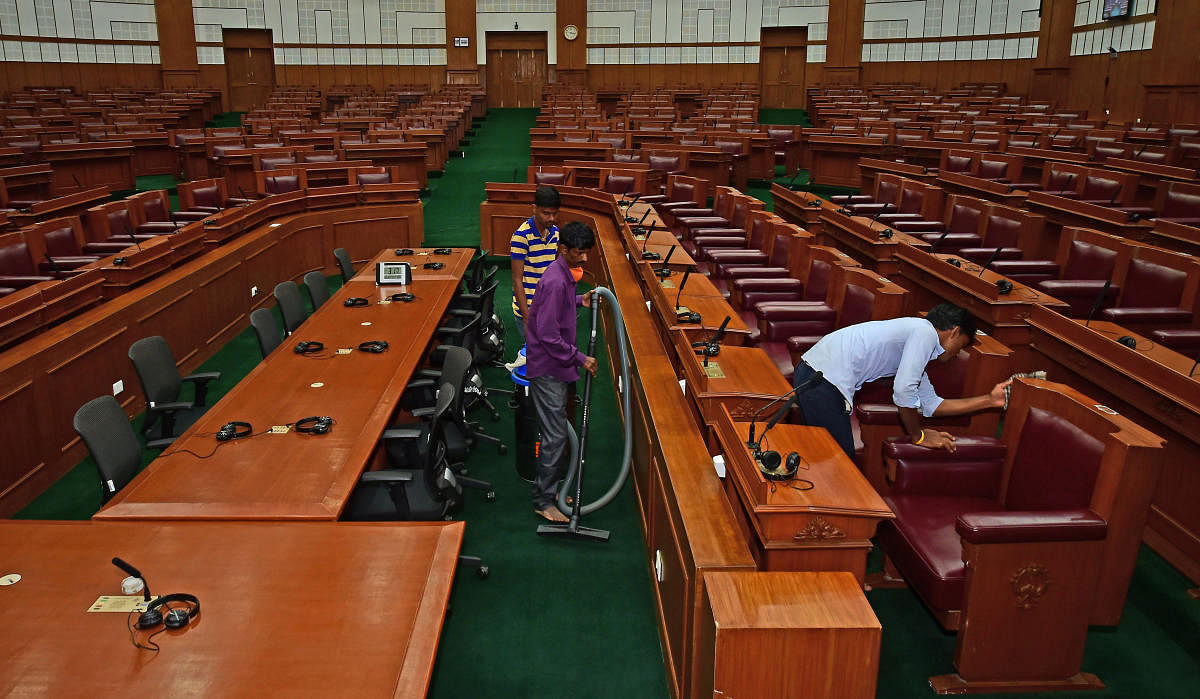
point(827, 527)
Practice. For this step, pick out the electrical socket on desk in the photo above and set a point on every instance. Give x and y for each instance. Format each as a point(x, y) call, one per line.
point(253, 291)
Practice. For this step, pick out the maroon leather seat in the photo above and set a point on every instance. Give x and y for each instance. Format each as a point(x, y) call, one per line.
point(1102, 191)
point(319, 158)
point(620, 184)
point(17, 270)
point(274, 162)
point(961, 229)
point(373, 178)
point(64, 250)
point(1152, 296)
point(777, 322)
point(1181, 207)
point(1001, 232)
point(992, 170)
point(1088, 267)
point(281, 184)
point(1183, 340)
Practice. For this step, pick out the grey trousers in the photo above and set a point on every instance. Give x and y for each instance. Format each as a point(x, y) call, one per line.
point(550, 401)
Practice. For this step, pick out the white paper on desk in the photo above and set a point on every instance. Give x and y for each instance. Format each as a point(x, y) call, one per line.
point(719, 464)
point(120, 603)
point(683, 386)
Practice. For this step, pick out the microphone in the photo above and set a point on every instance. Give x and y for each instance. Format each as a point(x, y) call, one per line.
point(1137, 154)
point(134, 573)
point(132, 237)
point(665, 271)
point(77, 182)
point(679, 292)
point(750, 438)
point(793, 180)
point(712, 346)
point(362, 194)
point(939, 240)
point(1099, 300)
point(638, 226)
point(243, 193)
point(628, 218)
point(1194, 365)
point(53, 264)
point(991, 258)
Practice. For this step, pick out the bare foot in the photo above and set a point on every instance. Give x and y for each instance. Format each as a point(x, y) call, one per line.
point(552, 513)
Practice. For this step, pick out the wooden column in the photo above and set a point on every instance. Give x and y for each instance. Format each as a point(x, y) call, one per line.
point(1051, 69)
point(843, 53)
point(462, 66)
point(177, 43)
point(572, 55)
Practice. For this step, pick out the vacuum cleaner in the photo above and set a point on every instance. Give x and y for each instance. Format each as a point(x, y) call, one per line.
point(577, 445)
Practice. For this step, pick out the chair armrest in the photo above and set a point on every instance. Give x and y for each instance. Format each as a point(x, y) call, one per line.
point(387, 476)
point(420, 384)
point(423, 412)
point(795, 310)
point(1125, 316)
point(768, 284)
point(918, 226)
point(972, 470)
point(401, 433)
point(870, 208)
point(201, 379)
point(1027, 527)
point(891, 218)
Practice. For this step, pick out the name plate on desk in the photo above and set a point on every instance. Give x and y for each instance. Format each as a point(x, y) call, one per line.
point(713, 370)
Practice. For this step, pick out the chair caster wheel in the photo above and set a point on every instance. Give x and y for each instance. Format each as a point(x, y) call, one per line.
point(495, 417)
point(482, 572)
point(503, 448)
point(490, 496)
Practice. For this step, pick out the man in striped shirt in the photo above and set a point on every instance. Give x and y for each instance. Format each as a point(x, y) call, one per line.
point(533, 247)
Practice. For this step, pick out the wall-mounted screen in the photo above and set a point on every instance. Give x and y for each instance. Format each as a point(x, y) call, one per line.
point(1114, 9)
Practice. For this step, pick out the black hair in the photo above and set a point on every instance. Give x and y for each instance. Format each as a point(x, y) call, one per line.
point(546, 197)
point(576, 236)
point(946, 315)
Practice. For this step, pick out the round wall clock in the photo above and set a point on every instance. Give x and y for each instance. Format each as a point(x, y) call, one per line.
point(570, 32)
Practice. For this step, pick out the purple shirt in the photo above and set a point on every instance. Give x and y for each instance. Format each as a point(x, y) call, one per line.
point(550, 330)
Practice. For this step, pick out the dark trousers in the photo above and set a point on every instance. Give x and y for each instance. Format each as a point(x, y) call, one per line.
point(550, 401)
point(824, 406)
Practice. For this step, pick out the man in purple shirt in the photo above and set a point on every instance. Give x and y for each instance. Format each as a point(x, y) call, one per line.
point(553, 360)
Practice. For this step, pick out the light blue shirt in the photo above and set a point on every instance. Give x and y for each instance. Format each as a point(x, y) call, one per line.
point(862, 353)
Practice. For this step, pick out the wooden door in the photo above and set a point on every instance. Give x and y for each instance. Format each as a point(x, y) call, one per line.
point(249, 67)
point(781, 67)
point(516, 68)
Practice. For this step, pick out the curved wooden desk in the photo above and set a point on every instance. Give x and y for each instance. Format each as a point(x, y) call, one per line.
point(198, 307)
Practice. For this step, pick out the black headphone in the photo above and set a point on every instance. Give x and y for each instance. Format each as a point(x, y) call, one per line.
point(175, 618)
point(651, 255)
point(663, 272)
point(442, 251)
point(373, 346)
point(314, 425)
point(355, 301)
point(885, 233)
point(234, 430)
point(1003, 286)
point(309, 346)
point(954, 261)
point(401, 252)
point(403, 296)
point(687, 317)
point(771, 468)
point(433, 265)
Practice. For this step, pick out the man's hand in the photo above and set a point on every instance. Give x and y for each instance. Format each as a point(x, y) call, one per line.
point(936, 439)
point(587, 300)
point(590, 364)
point(997, 394)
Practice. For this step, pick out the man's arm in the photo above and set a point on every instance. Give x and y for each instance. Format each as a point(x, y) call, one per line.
point(552, 300)
point(518, 285)
point(936, 439)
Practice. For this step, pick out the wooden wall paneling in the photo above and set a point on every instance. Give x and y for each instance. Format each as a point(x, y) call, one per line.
point(460, 21)
point(249, 66)
point(572, 55)
point(843, 50)
point(22, 461)
point(782, 63)
point(82, 76)
point(177, 43)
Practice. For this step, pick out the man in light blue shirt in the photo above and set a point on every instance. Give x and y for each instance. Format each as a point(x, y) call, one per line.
point(901, 347)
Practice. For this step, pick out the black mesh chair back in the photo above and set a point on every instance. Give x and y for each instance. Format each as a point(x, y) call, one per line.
point(344, 263)
point(106, 432)
point(291, 305)
point(266, 329)
point(156, 369)
point(318, 288)
point(439, 480)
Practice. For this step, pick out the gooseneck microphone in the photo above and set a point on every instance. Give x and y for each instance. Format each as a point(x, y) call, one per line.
point(939, 240)
point(991, 258)
point(665, 271)
point(53, 264)
point(1096, 304)
point(628, 218)
point(129, 232)
point(134, 573)
point(679, 291)
point(753, 418)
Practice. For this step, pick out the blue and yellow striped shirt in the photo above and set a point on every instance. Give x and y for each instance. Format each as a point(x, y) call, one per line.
point(536, 252)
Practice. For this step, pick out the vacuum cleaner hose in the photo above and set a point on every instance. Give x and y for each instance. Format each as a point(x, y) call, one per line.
point(573, 439)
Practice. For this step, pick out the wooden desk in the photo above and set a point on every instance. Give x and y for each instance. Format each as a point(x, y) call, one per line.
point(835, 158)
point(1061, 212)
point(82, 166)
point(272, 598)
point(802, 208)
point(959, 183)
point(826, 528)
point(931, 279)
point(358, 390)
point(1153, 388)
point(739, 381)
point(699, 295)
point(870, 168)
point(860, 237)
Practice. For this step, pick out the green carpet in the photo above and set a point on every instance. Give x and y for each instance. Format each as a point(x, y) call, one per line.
point(576, 619)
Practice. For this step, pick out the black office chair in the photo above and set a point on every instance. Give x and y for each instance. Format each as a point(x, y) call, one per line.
point(266, 329)
point(420, 485)
point(162, 384)
point(291, 305)
point(344, 264)
point(114, 446)
point(318, 288)
point(461, 433)
point(489, 344)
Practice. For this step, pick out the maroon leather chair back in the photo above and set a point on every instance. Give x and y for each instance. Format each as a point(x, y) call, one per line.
point(780, 136)
point(1001, 232)
point(375, 178)
point(619, 184)
point(738, 218)
point(857, 306)
point(625, 158)
point(958, 163)
point(949, 377)
point(1060, 180)
point(683, 191)
point(219, 151)
point(992, 169)
point(1100, 188)
point(734, 147)
point(818, 280)
point(614, 141)
point(911, 200)
point(1054, 466)
point(118, 222)
point(61, 243)
point(282, 184)
point(1103, 153)
point(576, 139)
point(551, 178)
point(155, 211)
point(14, 260)
point(964, 218)
point(320, 158)
point(664, 163)
point(886, 191)
point(1087, 261)
point(207, 196)
point(1148, 285)
point(272, 163)
point(759, 230)
point(1180, 205)
point(778, 254)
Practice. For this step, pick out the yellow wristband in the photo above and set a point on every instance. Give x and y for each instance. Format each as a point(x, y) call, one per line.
point(922, 439)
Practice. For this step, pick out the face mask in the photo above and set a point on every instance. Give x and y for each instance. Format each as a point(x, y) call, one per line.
point(577, 273)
